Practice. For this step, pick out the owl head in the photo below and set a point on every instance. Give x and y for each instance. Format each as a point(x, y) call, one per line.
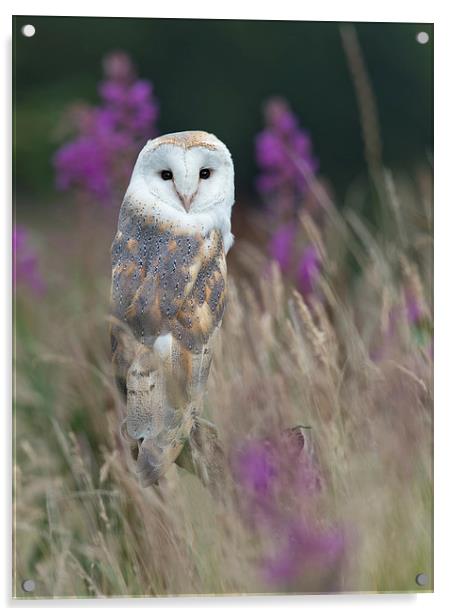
point(186, 176)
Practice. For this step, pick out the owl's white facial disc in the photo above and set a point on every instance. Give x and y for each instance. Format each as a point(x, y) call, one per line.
point(186, 177)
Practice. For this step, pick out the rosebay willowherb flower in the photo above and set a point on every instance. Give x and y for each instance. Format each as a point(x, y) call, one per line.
point(282, 245)
point(280, 485)
point(98, 160)
point(287, 166)
point(303, 548)
point(284, 155)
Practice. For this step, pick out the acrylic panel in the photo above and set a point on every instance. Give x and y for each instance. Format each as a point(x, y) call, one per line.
point(223, 329)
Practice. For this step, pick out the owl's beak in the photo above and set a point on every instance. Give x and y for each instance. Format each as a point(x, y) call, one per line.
point(186, 200)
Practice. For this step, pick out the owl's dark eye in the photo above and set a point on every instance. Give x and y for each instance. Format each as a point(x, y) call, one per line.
point(166, 175)
point(204, 174)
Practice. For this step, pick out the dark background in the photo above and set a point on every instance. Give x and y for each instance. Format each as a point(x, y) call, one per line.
point(215, 75)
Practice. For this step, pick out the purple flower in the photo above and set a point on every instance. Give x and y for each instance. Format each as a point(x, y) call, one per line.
point(25, 262)
point(281, 246)
point(255, 467)
point(83, 163)
point(303, 547)
point(112, 93)
point(283, 251)
point(279, 116)
point(283, 152)
point(279, 483)
point(270, 150)
point(287, 165)
point(108, 137)
point(308, 270)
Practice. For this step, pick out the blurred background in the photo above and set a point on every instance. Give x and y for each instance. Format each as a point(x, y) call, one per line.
point(215, 75)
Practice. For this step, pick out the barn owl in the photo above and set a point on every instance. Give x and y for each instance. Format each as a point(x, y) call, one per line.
point(168, 291)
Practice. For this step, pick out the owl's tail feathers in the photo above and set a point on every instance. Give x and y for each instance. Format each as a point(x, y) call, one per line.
point(203, 455)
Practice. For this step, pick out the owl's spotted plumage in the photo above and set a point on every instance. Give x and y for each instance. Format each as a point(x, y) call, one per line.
point(168, 290)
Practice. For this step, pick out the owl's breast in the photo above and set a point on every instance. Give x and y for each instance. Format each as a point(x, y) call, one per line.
point(166, 281)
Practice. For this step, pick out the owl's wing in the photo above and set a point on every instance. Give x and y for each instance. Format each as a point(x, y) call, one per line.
point(153, 271)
